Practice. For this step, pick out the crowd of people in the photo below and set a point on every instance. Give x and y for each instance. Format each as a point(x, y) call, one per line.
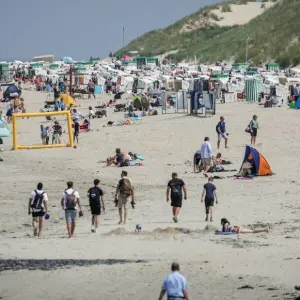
point(38, 206)
point(204, 158)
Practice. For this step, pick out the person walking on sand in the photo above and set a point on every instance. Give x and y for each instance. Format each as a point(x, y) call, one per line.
point(70, 203)
point(174, 285)
point(206, 156)
point(91, 88)
point(124, 190)
point(221, 132)
point(95, 195)
point(76, 131)
point(209, 195)
point(253, 129)
point(175, 187)
point(38, 207)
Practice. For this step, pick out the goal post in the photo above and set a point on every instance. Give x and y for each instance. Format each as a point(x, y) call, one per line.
point(42, 114)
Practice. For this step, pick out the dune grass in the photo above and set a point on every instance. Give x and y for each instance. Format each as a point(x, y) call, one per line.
point(274, 35)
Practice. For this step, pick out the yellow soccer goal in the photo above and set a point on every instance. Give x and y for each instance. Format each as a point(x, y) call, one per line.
point(43, 114)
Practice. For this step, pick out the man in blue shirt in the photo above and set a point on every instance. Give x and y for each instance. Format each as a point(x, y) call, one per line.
point(221, 132)
point(174, 285)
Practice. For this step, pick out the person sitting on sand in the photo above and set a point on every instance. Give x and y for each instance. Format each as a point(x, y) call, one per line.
point(246, 169)
point(197, 161)
point(116, 160)
point(226, 227)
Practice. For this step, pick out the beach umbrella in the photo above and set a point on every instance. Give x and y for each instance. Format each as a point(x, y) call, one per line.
point(11, 91)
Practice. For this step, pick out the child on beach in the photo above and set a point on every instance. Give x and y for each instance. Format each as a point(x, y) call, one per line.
point(43, 134)
point(209, 195)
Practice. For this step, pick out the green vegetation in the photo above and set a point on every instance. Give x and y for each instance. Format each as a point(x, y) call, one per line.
point(226, 8)
point(274, 35)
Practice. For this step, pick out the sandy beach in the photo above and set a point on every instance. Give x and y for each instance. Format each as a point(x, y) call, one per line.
point(255, 266)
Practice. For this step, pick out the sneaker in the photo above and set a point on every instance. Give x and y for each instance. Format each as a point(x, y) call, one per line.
point(175, 219)
point(206, 219)
point(211, 219)
point(96, 231)
point(92, 230)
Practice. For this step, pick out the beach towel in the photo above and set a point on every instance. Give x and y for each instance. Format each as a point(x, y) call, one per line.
point(136, 165)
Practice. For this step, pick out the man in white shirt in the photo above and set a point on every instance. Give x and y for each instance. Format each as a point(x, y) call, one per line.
point(70, 202)
point(38, 207)
point(206, 155)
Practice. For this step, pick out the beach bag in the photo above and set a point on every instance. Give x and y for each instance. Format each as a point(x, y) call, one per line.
point(38, 201)
point(248, 128)
point(70, 200)
point(125, 187)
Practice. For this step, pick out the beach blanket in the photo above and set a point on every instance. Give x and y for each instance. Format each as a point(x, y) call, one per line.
point(136, 164)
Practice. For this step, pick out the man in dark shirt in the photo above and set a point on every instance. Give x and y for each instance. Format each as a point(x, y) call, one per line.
point(221, 132)
point(95, 195)
point(209, 194)
point(76, 131)
point(175, 187)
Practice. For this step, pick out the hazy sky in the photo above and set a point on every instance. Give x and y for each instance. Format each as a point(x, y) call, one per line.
point(82, 28)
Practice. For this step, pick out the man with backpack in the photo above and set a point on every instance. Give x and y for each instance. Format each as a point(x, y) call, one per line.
point(70, 202)
point(95, 195)
point(38, 206)
point(124, 190)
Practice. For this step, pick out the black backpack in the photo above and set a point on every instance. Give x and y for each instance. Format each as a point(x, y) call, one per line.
point(38, 201)
point(70, 200)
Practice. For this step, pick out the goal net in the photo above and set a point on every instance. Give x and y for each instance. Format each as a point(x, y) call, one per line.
point(53, 131)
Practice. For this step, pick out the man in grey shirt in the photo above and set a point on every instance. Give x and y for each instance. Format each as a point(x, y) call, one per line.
point(174, 285)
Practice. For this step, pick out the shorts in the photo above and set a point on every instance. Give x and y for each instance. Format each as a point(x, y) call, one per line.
point(254, 132)
point(56, 136)
point(36, 214)
point(122, 201)
point(209, 202)
point(197, 159)
point(76, 133)
point(70, 215)
point(91, 90)
point(223, 135)
point(206, 162)
point(176, 202)
point(96, 210)
point(238, 230)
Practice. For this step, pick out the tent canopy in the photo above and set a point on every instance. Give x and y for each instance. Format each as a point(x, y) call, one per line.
point(260, 166)
point(68, 100)
point(4, 132)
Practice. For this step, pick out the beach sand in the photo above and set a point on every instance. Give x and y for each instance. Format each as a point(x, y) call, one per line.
point(255, 266)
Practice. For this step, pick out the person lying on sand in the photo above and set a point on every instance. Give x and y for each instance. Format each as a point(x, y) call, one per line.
point(226, 227)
